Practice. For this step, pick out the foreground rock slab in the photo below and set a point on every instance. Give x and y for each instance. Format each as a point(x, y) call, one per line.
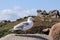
point(25, 37)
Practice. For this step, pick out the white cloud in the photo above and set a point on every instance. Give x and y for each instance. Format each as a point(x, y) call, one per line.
point(6, 11)
point(27, 12)
point(15, 13)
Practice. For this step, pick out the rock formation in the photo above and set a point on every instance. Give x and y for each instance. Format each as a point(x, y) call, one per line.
point(54, 13)
point(55, 32)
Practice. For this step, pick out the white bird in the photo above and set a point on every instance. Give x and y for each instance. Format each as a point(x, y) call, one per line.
point(24, 25)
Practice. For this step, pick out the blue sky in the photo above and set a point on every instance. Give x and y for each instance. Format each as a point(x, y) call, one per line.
point(14, 9)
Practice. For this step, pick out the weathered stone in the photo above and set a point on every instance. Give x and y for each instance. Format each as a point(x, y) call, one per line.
point(55, 32)
point(25, 37)
point(54, 14)
point(46, 31)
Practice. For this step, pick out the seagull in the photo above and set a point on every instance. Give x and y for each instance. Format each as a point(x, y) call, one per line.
point(24, 25)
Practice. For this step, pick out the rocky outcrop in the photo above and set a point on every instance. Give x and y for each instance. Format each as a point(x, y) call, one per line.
point(41, 13)
point(25, 37)
point(55, 32)
point(54, 13)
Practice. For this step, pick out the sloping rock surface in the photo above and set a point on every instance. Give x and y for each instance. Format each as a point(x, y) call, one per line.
point(25, 37)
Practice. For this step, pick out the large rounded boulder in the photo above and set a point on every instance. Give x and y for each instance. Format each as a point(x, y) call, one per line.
point(55, 32)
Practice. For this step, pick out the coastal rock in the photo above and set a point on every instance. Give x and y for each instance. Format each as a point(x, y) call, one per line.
point(25, 37)
point(55, 32)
